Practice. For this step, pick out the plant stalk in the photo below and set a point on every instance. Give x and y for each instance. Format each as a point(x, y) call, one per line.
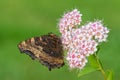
point(101, 68)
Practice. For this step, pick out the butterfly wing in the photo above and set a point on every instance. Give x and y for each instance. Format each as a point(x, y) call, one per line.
point(47, 49)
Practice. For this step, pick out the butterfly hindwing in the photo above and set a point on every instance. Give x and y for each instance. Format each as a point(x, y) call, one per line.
point(46, 48)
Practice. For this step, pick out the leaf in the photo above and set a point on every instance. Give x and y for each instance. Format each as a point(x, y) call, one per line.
point(87, 70)
point(94, 66)
point(109, 75)
point(93, 61)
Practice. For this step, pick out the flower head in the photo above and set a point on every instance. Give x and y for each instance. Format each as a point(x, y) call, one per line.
point(76, 60)
point(100, 32)
point(69, 20)
point(80, 42)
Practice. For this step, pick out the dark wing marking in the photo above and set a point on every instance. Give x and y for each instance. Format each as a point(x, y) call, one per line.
point(47, 49)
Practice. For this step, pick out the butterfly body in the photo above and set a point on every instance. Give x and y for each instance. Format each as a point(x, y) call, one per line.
point(46, 48)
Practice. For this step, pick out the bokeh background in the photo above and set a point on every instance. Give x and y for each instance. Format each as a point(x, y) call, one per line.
point(23, 19)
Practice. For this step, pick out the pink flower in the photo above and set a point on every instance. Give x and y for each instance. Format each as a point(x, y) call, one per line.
point(96, 31)
point(69, 20)
point(100, 32)
point(76, 60)
point(80, 42)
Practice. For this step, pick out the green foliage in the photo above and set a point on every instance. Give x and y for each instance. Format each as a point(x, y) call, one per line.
point(109, 75)
point(96, 65)
point(93, 61)
point(87, 70)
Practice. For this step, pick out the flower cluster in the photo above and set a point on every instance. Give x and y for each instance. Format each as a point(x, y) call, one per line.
point(70, 20)
point(80, 42)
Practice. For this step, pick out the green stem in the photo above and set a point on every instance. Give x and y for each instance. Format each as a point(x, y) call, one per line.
point(101, 68)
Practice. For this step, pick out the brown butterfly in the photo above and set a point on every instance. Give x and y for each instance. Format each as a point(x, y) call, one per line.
point(46, 48)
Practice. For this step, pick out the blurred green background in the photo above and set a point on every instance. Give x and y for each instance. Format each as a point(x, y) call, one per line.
point(22, 19)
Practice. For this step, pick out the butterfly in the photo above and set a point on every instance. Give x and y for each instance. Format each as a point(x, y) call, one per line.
point(46, 48)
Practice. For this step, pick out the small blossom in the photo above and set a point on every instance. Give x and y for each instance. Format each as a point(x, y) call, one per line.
point(66, 40)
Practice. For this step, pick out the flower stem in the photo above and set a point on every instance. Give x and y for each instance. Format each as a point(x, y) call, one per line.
point(101, 68)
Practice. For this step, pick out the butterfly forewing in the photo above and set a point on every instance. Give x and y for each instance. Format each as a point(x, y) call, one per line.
point(46, 48)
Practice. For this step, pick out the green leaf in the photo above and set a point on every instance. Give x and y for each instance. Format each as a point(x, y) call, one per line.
point(93, 61)
point(87, 70)
point(109, 75)
point(94, 66)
